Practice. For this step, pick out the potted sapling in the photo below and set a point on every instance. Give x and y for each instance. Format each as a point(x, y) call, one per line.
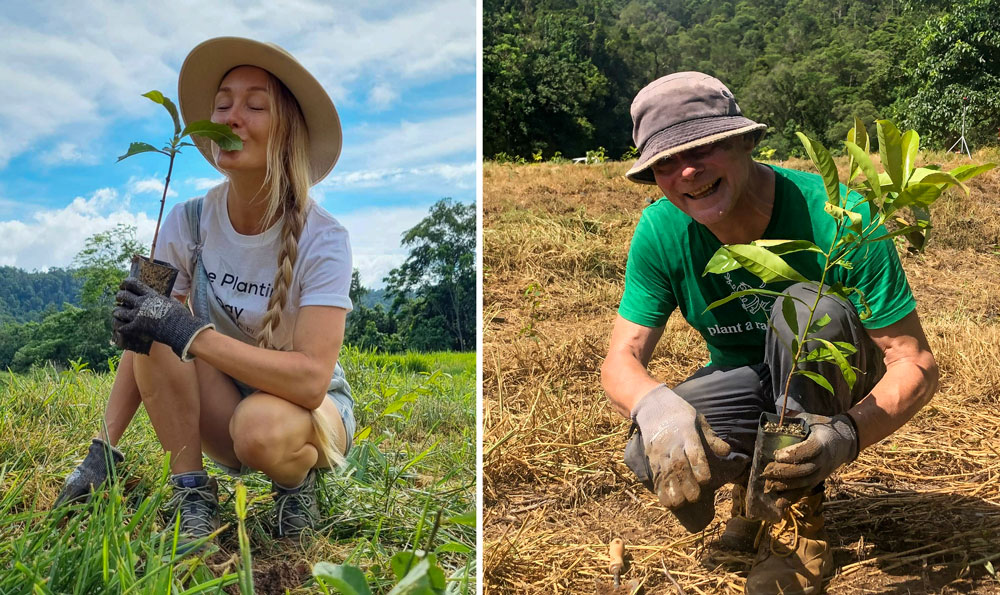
point(158, 274)
point(901, 194)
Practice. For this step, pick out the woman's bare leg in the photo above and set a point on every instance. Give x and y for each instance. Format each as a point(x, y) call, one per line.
point(276, 437)
point(169, 389)
point(122, 403)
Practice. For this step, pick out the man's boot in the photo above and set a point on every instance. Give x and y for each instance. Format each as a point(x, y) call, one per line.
point(741, 532)
point(794, 554)
point(90, 473)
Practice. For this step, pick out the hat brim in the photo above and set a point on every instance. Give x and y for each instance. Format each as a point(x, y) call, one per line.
point(684, 136)
point(209, 61)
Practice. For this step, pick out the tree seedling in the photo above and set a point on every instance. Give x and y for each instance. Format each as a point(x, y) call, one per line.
point(158, 274)
point(902, 194)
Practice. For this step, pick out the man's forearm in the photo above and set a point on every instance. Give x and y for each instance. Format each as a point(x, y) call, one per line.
point(904, 389)
point(625, 380)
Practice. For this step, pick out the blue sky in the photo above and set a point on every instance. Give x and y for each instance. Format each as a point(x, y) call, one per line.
point(402, 77)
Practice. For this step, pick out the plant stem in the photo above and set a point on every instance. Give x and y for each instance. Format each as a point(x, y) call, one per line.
point(163, 200)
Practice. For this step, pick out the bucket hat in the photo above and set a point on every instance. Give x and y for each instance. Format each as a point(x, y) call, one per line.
point(208, 63)
point(682, 111)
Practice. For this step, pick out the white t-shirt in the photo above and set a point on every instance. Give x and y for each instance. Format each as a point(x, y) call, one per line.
point(241, 268)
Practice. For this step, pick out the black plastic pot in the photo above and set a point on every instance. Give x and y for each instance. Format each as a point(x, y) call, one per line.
point(157, 274)
point(760, 504)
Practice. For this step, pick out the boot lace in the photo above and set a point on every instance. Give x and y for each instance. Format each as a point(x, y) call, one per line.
point(296, 509)
point(789, 524)
point(197, 506)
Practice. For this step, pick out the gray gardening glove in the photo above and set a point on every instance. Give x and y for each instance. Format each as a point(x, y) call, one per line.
point(674, 437)
point(142, 313)
point(831, 443)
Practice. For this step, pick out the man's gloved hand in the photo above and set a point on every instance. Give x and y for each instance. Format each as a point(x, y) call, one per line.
point(144, 314)
point(673, 436)
point(801, 467)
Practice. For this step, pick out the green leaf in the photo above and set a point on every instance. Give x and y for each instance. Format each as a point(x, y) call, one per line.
point(824, 164)
point(917, 194)
point(864, 161)
point(721, 262)
point(163, 100)
point(468, 519)
point(221, 134)
point(454, 546)
point(909, 144)
point(858, 136)
point(817, 378)
point(845, 367)
point(765, 264)
point(136, 148)
point(819, 324)
point(891, 150)
point(424, 578)
point(790, 315)
point(967, 172)
point(739, 294)
point(348, 580)
point(839, 213)
point(780, 247)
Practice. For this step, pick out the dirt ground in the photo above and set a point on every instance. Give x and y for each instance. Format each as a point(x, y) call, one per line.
point(917, 513)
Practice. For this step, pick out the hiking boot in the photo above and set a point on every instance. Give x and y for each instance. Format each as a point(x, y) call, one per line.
point(196, 499)
point(794, 554)
point(295, 509)
point(741, 531)
point(89, 474)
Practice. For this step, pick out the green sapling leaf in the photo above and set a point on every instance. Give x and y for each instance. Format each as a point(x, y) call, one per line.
point(891, 151)
point(838, 213)
point(845, 368)
point(909, 143)
point(864, 161)
point(221, 134)
point(769, 267)
point(790, 315)
point(780, 247)
point(157, 97)
point(817, 378)
point(136, 148)
point(721, 262)
point(739, 294)
point(819, 324)
point(966, 172)
point(824, 164)
point(917, 195)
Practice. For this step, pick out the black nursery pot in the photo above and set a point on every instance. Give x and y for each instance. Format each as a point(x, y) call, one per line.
point(157, 274)
point(770, 438)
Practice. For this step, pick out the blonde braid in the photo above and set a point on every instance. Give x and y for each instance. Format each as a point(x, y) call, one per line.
point(287, 182)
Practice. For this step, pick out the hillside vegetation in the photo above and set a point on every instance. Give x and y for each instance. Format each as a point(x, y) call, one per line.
point(917, 513)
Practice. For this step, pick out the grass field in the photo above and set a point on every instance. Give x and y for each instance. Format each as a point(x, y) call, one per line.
point(409, 486)
point(917, 513)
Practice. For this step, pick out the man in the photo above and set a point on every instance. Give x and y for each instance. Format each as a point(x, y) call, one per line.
point(696, 146)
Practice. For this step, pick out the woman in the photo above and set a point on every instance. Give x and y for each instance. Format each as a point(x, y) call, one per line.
point(251, 378)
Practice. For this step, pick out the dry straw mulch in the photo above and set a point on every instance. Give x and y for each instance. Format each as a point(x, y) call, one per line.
point(917, 513)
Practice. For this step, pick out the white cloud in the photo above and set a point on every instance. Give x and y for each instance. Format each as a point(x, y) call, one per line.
point(53, 237)
point(66, 153)
point(382, 96)
point(73, 84)
point(409, 144)
point(461, 176)
point(148, 186)
point(204, 183)
point(375, 236)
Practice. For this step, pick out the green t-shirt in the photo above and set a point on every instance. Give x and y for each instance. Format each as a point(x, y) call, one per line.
point(669, 252)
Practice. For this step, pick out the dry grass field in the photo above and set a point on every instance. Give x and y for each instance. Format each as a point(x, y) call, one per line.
point(917, 513)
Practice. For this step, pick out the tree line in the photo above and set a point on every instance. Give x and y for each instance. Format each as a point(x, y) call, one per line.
point(431, 298)
point(560, 75)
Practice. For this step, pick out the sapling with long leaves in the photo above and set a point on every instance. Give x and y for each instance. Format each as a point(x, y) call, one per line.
point(901, 193)
point(221, 134)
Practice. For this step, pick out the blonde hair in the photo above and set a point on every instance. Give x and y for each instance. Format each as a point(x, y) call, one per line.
point(286, 191)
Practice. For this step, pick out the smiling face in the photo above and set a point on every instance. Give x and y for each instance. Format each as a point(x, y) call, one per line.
point(243, 101)
point(709, 182)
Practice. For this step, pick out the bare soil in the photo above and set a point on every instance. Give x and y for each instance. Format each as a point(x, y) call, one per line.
point(917, 513)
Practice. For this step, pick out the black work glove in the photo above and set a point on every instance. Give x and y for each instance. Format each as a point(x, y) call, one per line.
point(142, 314)
point(674, 438)
point(800, 467)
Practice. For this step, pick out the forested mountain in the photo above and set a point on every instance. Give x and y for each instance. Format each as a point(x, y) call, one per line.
point(560, 75)
point(28, 296)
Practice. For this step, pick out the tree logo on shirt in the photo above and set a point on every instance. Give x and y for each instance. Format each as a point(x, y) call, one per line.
point(752, 304)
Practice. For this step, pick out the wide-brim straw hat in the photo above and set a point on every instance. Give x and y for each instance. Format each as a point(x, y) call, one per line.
point(208, 63)
point(682, 111)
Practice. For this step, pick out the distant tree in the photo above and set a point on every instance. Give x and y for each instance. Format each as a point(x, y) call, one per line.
point(370, 327)
point(434, 290)
point(103, 264)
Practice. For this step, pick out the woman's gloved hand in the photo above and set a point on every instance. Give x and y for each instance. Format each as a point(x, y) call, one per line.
point(674, 437)
point(143, 314)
